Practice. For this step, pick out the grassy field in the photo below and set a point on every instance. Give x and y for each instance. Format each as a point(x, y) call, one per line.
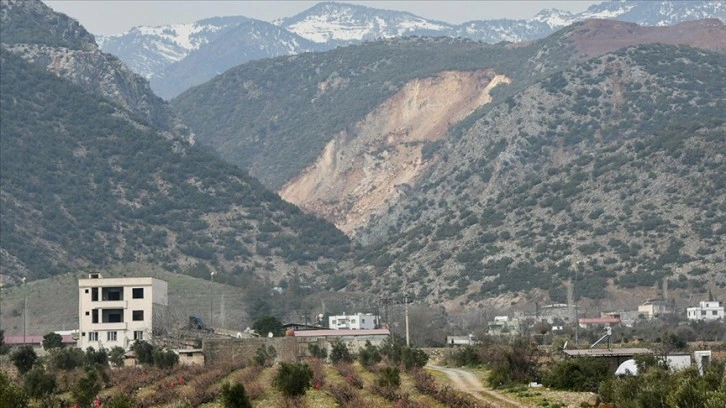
point(52, 304)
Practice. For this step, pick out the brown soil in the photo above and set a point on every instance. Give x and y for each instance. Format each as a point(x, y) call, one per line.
point(361, 169)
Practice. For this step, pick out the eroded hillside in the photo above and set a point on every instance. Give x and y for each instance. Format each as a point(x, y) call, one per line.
point(364, 167)
point(613, 169)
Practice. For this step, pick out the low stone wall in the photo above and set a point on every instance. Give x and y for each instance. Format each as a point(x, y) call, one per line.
point(243, 350)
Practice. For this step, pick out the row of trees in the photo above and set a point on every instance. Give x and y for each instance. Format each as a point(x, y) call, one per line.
point(40, 374)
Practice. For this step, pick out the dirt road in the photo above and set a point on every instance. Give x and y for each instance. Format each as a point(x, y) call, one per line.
point(467, 382)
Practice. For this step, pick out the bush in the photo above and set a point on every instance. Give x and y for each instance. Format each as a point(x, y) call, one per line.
point(317, 351)
point(67, 358)
point(515, 363)
point(94, 357)
point(24, 358)
point(466, 356)
point(234, 396)
point(165, 358)
point(4, 348)
point(144, 352)
point(389, 377)
point(657, 386)
point(413, 358)
point(265, 356)
point(116, 356)
point(120, 401)
point(582, 374)
point(52, 340)
point(86, 388)
point(268, 324)
point(391, 350)
point(339, 353)
point(11, 396)
point(293, 379)
point(369, 355)
point(38, 383)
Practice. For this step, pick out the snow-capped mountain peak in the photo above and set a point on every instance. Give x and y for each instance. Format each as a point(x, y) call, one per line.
point(177, 56)
point(340, 22)
point(555, 18)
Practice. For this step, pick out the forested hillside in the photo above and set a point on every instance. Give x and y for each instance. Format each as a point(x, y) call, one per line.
point(601, 158)
point(611, 170)
point(84, 184)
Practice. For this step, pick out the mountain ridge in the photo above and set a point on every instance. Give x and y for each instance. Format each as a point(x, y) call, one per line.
point(331, 24)
point(502, 205)
point(89, 177)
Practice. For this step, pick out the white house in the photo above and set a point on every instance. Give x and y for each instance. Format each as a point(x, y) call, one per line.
point(117, 311)
point(705, 311)
point(357, 321)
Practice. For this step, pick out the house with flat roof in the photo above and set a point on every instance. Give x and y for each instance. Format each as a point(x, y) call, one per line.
point(118, 311)
point(705, 311)
point(656, 307)
point(355, 321)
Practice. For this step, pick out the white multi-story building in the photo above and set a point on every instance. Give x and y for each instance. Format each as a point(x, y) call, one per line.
point(117, 311)
point(357, 321)
point(705, 311)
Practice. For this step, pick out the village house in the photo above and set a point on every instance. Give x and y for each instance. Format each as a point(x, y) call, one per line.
point(118, 311)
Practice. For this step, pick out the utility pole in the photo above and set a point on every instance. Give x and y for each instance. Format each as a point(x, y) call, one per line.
point(574, 299)
point(211, 298)
point(405, 299)
point(25, 308)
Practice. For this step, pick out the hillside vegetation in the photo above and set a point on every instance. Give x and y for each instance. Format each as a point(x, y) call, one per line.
point(273, 117)
point(613, 168)
point(597, 163)
point(84, 184)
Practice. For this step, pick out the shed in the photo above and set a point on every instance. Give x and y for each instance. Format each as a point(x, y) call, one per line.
point(614, 357)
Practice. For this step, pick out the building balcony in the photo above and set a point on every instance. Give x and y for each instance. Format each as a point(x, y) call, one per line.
point(107, 326)
point(111, 304)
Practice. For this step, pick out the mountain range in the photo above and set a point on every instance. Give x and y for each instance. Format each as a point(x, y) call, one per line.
point(466, 174)
point(176, 57)
point(96, 170)
point(476, 172)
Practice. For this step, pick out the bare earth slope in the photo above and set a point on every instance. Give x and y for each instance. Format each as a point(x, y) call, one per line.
point(364, 167)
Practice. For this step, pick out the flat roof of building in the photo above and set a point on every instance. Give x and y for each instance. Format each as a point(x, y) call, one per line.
point(599, 320)
point(607, 353)
point(323, 333)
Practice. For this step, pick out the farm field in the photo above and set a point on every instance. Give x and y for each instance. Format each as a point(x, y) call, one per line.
point(333, 385)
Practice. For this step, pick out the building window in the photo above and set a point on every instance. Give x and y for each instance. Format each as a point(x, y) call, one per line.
point(88, 313)
point(138, 315)
point(137, 293)
point(112, 294)
point(94, 295)
point(138, 335)
point(112, 316)
point(363, 321)
point(94, 317)
point(86, 290)
point(93, 336)
point(111, 336)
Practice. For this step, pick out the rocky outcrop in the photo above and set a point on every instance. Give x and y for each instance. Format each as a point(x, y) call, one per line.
point(362, 169)
point(78, 59)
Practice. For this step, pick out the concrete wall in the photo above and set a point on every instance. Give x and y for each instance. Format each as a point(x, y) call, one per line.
point(243, 350)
